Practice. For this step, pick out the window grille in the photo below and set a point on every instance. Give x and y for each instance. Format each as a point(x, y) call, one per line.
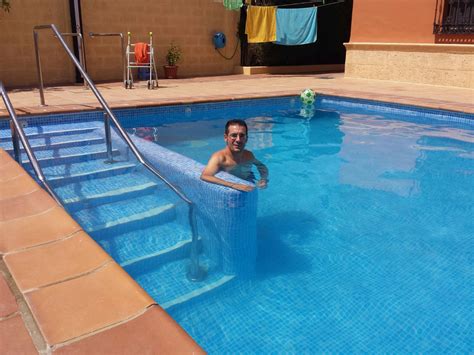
point(454, 17)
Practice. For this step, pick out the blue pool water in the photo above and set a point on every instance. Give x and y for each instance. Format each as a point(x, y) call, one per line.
point(365, 233)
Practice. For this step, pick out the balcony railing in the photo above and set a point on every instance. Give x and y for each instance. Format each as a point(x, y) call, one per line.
point(454, 17)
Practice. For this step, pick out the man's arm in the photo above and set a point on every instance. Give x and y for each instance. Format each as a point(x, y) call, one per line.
point(263, 172)
point(213, 167)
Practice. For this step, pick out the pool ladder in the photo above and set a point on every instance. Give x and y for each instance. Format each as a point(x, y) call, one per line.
point(195, 272)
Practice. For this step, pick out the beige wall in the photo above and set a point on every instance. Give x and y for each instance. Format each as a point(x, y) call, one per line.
point(394, 40)
point(17, 55)
point(191, 24)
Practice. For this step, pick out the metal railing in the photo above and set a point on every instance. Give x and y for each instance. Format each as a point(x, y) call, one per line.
point(122, 43)
point(38, 57)
point(82, 58)
point(195, 272)
point(17, 135)
point(454, 17)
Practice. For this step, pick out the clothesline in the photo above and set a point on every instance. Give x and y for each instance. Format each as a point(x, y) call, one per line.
point(308, 3)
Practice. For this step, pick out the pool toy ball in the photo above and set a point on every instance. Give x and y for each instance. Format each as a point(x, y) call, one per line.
point(307, 97)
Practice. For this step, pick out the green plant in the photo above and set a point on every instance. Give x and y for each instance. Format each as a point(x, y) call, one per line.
point(5, 5)
point(173, 56)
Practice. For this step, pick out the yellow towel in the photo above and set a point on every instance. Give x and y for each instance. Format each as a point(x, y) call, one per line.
point(261, 24)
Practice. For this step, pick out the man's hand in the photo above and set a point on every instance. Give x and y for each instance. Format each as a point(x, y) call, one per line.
point(262, 183)
point(242, 187)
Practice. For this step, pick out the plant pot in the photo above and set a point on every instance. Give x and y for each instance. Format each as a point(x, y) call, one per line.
point(171, 71)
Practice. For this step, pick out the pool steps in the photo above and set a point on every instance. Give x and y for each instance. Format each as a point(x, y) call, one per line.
point(120, 205)
point(146, 246)
point(178, 291)
point(70, 154)
point(199, 292)
point(37, 132)
point(94, 199)
point(82, 171)
point(110, 223)
point(46, 142)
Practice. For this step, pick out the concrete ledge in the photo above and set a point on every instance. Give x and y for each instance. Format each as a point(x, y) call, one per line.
point(411, 47)
point(291, 69)
point(433, 64)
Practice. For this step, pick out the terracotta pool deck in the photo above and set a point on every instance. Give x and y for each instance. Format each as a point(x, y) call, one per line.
point(52, 275)
point(77, 98)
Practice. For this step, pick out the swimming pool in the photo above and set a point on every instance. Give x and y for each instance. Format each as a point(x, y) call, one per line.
point(364, 234)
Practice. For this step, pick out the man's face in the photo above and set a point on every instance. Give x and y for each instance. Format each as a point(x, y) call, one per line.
point(236, 138)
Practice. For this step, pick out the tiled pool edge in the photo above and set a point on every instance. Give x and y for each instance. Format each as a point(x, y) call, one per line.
point(53, 330)
point(344, 94)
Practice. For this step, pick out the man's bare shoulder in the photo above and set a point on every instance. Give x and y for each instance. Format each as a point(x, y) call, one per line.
point(248, 156)
point(219, 155)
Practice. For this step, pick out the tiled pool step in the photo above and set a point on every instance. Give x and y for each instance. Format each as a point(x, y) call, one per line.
point(46, 141)
point(74, 154)
point(81, 201)
point(120, 215)
point(68, 172)
point(34, 132)
point(170, 288)
point(146, 247)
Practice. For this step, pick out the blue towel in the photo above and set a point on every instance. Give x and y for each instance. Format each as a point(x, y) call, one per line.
point(296, 26)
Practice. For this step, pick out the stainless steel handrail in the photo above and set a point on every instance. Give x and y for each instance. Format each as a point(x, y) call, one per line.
point(195, 273)
point(111, 34)
point(38, 59)
point(18, 133)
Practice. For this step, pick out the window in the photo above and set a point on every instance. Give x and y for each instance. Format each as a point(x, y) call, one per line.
point(454, 16)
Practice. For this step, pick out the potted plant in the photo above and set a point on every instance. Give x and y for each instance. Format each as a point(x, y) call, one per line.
point(173, 56)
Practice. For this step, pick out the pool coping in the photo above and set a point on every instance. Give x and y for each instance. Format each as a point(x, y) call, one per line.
point(383, 98)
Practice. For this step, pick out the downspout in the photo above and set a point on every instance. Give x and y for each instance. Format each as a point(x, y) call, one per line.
point(76, 27)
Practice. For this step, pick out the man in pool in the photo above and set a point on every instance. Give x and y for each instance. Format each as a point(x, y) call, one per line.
point(235, 159)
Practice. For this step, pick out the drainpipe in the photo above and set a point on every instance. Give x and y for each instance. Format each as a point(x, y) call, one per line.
point(76, 27)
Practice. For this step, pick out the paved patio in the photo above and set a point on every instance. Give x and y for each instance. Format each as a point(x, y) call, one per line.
point(72, 98)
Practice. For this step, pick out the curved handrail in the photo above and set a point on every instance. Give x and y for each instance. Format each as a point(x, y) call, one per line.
point(112, 34)
point(17, 132)
point(195, 273)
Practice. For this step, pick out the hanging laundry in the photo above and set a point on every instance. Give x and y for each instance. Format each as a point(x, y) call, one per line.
point(261, 24)
point(233, 4)
point(296, 26)
point(141, 53)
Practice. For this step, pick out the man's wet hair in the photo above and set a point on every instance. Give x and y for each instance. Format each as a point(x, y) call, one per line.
point(236, 123)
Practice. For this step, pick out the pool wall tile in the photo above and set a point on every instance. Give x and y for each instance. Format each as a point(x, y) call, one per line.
point(226, 217)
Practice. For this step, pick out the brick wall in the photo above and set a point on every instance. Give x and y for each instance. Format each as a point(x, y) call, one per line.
point(17, 54)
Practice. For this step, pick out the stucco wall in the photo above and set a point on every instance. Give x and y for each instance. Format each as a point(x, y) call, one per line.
point(17, 58)
point(401, 21)
point(394, 40)
point(190, 24)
